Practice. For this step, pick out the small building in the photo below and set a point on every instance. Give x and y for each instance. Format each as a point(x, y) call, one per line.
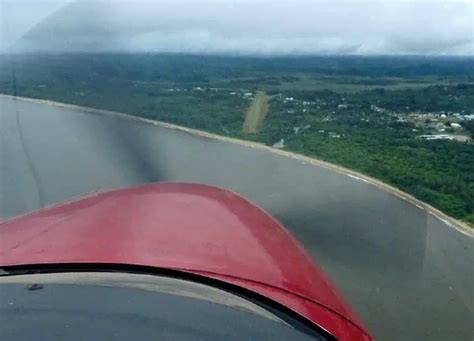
point(296, 130)
point(280, 144)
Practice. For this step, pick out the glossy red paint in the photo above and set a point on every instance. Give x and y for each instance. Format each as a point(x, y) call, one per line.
point(189, 227)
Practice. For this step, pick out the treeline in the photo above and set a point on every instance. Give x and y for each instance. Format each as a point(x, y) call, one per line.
point(457, 98)
point(192, 68)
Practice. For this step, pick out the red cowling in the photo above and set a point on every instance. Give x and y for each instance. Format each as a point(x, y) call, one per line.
point(189, 227)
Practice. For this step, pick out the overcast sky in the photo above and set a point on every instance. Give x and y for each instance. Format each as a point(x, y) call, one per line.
point(244, 26)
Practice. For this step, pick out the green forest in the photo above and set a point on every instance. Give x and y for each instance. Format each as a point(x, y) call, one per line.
point(404, 120)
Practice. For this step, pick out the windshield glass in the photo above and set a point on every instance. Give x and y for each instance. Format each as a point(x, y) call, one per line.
point(349, 122)
point(99, 306)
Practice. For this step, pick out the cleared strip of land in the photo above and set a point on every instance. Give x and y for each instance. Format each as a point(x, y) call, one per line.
point(256, 113)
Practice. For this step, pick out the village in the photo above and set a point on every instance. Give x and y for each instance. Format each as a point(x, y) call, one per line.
point(439, 125)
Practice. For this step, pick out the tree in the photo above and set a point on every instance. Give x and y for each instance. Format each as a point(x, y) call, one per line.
point(469, 126)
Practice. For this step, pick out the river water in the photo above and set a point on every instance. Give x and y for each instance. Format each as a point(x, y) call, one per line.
point(408, 274)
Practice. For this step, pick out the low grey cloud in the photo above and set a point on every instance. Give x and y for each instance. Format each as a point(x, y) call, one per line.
point(255, 27)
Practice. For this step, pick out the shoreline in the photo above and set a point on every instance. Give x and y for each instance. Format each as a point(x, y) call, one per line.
point(456, 224)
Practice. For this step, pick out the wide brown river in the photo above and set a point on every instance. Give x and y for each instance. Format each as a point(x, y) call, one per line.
point(408, 274)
